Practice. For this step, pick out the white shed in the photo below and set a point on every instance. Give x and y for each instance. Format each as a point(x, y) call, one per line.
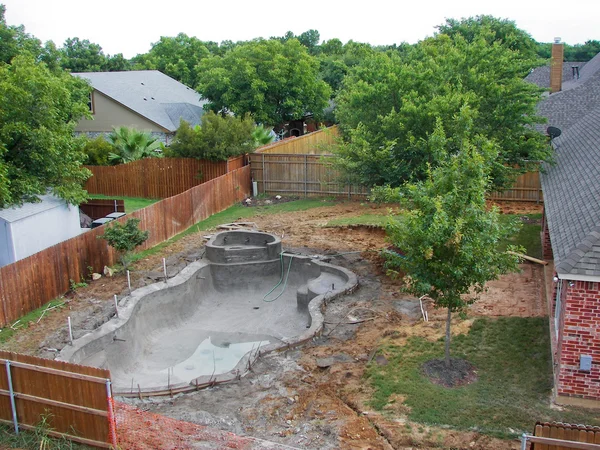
point(30, 228)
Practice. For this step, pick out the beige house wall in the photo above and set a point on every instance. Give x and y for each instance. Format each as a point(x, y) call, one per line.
point(109, 114)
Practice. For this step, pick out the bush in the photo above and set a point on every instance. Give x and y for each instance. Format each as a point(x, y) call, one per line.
point(125, 238)
point(216, 139)
point(97, 151)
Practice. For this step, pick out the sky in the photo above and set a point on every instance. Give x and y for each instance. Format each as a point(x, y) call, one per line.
point(131, 26)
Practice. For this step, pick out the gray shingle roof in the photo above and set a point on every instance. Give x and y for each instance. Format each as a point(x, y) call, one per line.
point(150, 93)
point(572, 190)
point(541, 75)
point(15, 214)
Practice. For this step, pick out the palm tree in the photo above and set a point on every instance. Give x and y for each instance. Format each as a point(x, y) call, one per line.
point(131, 144)
point(262, 136)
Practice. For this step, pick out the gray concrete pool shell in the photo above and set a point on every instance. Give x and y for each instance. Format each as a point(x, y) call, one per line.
point(221, 297)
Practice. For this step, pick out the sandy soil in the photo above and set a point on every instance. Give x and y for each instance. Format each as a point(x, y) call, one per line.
point(312, 397)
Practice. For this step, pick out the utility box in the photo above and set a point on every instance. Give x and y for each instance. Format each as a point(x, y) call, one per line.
point(115, 215)
point(99, 222)
point(585, 363)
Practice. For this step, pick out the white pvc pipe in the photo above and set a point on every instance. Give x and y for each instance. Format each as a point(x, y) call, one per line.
point(129, 281)
point(165, 268)
point(116, 306)
point(70, 329)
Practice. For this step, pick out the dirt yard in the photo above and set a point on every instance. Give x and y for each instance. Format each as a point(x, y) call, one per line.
point(312, 397)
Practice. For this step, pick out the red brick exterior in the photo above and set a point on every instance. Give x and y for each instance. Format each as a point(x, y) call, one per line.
point(579, 334)
point(546, 244)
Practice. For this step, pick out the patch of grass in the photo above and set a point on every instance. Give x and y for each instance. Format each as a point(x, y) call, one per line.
point(35, 439)
point(7, 332)
point(513, 362)
point(529, 234)
point(376, 220)
point(131, 203)
point(233, 214)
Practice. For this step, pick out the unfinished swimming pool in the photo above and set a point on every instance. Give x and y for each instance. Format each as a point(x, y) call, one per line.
point(210, 322)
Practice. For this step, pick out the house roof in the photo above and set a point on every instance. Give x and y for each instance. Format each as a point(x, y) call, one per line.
point(541, 75)
point(572, 186)
point(15, 214)
point(150, 93)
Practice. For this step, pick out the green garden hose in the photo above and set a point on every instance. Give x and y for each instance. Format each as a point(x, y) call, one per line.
point(280, 280)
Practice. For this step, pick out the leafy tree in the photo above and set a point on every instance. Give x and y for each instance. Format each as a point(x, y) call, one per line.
point(494, 30)
point(389, 104)
point(82, 56)
point(125, 238)
point(177, 57)
point(578, 52)
point(448, 237)
point(273, 81)
point(131, 144)
point(216, 139)
point(117, 63)
point(14, 40)
point(97, 151)
point(39, 110)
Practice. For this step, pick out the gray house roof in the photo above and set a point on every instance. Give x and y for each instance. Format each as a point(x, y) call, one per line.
point(150, 93)
point(572, 186)
point(541, 75)
point(15, 214)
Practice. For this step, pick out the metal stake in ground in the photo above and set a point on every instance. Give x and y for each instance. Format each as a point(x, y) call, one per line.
point(129, 282)
point(165, 268)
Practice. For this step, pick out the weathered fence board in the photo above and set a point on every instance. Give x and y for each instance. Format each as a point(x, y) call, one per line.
point(566, 432)
point(313, 175)
point(97, 208)
point(307, 175)
point(156, 177)
point(32, 282)
point(316, 143)
point(72, 398)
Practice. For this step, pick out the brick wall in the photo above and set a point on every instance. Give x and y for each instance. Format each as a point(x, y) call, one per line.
point(580, 335)
point(546, 244)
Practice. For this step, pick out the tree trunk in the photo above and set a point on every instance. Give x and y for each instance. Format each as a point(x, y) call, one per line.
point(447, 355)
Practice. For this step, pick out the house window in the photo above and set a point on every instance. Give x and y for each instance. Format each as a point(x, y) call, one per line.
point(91, 102)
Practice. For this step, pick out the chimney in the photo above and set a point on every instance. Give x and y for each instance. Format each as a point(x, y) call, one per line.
point(556, 66)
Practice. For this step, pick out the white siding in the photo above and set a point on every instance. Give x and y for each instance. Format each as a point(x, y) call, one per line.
point(45, 229)
point(6, 251)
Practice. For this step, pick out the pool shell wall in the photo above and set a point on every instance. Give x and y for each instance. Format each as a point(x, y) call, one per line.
point(143, 312)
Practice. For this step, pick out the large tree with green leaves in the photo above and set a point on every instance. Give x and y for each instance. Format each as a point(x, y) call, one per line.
point(38, 113)
point(389, 104)
point(217, 138)
point(448, 238)
point(272, 80)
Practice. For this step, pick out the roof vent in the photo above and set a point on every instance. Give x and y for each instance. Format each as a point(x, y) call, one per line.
point(553, 132)
point(142, 83)
point(145, 99)
point(575, 70)
point(152, 98)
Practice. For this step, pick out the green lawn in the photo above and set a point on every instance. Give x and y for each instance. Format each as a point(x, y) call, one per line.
point(513, 362)
point(131, 203)
point(529, 234)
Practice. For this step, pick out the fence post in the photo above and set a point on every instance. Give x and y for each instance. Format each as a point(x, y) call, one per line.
point(263, 173)
point(12, 397)
point(112, 422)
point(305, 175)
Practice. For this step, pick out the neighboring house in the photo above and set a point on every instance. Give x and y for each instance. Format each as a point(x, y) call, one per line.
point(30, 228)
point(143, 99)
point(571, 234)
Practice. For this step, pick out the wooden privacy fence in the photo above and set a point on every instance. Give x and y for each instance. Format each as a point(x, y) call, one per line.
point(312, 175)
point(74, 400)
point(313, 143)
point(157, 177)
point(527, 188)
point(31, 282)
point(307, 175)
point(96, 208)
point(564, 436)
